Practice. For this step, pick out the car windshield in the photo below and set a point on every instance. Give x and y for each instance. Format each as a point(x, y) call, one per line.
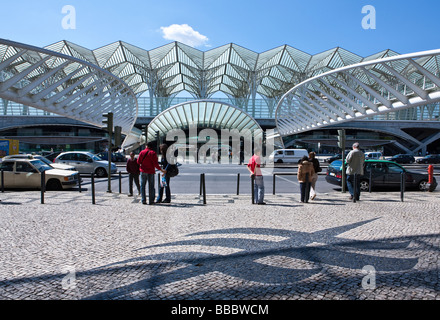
point(337, 164)
point(41, 166)
point(94, 157)
point(46, 161)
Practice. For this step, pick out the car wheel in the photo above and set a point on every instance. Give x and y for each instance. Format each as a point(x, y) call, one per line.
point(54, 185)
point(101, 172)
point(365, 185)
point(423, 185)
point(280, 161)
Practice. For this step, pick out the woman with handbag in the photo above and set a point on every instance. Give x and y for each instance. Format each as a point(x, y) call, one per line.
point(317, 168)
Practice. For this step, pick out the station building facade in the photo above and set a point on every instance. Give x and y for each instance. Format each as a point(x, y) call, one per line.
point(252, 82)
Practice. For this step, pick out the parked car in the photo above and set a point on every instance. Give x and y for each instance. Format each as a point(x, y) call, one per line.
point(385, 174)
point(373, 155)
point(46, 161)
point(432, 158)
point(116, 156)
point(402, 158)
point(287, 155)
point(336, 156)
point(52, 156)
point(26, 174)
point(86, 162)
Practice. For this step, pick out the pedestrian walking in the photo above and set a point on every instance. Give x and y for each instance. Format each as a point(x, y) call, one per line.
point(148, 163)
point(318, 169)
point(165, 181)
point(133, 170)
point(305, 176)
point(254, 167)
point(355, 169)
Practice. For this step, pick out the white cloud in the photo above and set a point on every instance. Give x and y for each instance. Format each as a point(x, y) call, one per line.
point(185, 34)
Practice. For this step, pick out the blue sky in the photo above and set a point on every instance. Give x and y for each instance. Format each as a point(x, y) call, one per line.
point(312, 26)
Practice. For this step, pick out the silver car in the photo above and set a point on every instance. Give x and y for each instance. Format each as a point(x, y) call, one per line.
point(86, 162)
point(46, 161)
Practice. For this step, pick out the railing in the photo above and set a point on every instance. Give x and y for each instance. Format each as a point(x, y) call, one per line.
point(261, 110)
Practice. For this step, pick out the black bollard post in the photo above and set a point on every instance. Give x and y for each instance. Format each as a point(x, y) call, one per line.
point(273, 183)
point(3, 181)
point(371, 180)
point(43, 186)
point(79, 182)
point(252, 188)
point(402, 186)
point(120, 182)
point(93, 188)
point(238, 184)
point(203, 188)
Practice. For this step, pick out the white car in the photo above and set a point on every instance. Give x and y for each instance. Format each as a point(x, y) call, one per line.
point(26, 174)
point(288, 155)
point(46, 161)
point(86, 162)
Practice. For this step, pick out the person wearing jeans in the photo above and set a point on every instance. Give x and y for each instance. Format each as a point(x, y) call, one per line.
point(164, 163)
point(148, 163)
point(132, 168)
point(355, 169)
point(254, 167)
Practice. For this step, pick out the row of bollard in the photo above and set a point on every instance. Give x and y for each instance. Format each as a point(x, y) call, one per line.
point(203, 185)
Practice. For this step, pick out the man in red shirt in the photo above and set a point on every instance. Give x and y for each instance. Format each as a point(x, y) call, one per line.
point(254, 167)
point(148, 163)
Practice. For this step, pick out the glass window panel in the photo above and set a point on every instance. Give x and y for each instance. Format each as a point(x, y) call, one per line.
point(182, 116)
point(195, 112)
point(214, 114)
point(222, 112)
point(230, 118)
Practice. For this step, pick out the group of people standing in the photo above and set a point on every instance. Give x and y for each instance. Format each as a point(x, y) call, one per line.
point(308, 170)
point(146, 164)
point(144, 167)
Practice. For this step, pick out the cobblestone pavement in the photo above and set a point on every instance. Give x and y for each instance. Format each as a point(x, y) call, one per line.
point(378, 248)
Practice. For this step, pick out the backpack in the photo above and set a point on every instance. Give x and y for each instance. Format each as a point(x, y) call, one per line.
point(172, 170)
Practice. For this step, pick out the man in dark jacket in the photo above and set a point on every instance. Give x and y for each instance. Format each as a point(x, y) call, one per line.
point(132, 168)
point(148, 163)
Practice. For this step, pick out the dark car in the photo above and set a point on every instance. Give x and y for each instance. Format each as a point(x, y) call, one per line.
point(432, 158)
point(336, 156)
point(385, 174)
point(333, 158)
point(403, 158)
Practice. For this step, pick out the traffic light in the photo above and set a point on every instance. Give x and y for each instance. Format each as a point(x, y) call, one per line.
point(118, 137)
point(341, 139)
point(108, 122)
point(145, 132)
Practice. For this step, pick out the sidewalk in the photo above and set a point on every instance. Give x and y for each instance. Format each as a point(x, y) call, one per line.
point(379, 248)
